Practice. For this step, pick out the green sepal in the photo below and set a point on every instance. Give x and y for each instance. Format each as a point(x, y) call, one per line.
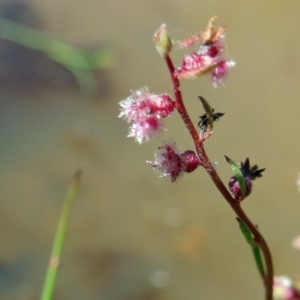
point(238, 174)
point(255, 249)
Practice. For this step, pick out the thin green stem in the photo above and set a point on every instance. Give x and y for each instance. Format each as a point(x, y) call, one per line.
point(59, 239)
point(206, 163)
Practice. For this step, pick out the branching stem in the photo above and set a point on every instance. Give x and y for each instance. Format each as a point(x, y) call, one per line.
point(206, 163)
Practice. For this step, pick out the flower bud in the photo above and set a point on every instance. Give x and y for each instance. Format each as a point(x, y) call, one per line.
point(249, 174)
point(191, 161)
point(172, 164)
point(162, 41)
point(235, 188)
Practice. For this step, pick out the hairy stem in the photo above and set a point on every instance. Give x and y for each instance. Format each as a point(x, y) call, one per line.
point(206, 163)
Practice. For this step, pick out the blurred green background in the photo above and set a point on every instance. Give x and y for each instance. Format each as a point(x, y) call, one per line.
point(132, 235)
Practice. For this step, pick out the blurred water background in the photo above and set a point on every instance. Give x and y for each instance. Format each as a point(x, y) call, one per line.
point(132, 235)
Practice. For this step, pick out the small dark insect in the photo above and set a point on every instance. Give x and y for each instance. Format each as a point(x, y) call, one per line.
point(203, 123)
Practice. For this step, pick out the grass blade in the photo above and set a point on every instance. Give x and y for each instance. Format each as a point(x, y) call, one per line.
point(59, 239)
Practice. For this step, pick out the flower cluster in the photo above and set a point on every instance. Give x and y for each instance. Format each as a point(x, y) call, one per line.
point(210, 58)
point(172, 164)
point(145, 111)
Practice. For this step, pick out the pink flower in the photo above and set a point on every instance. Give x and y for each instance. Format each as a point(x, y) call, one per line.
point(172, 164)
point(284, 289)
point(211, 58)
point(220, 72)
point(143, 130)
point(144, 111)
point(194, 65)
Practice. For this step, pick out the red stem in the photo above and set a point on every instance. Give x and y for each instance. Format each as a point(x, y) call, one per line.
point(206, 163)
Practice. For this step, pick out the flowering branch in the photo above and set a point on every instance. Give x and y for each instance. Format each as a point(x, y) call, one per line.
point(145, 112)
point(208, 166)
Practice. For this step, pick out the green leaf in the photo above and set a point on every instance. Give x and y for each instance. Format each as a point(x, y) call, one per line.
point(258, 260)
point(238, 174)
point(246, 232)
point(255, 249)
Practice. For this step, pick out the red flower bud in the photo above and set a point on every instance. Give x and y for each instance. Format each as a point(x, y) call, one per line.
point(249, 174)
point(172, 164)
